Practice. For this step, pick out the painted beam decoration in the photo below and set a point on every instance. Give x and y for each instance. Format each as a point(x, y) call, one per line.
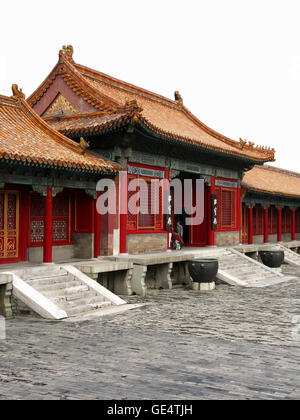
point(134, 170)
point(214, 212)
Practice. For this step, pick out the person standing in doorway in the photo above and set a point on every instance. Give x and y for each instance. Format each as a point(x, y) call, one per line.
point(177, 236)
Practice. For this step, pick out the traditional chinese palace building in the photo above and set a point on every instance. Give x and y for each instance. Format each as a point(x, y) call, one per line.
point(47, 189)
point(271, 205)
point(153, 138)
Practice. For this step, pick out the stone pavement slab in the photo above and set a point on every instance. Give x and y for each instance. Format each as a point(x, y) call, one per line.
point(231, 343)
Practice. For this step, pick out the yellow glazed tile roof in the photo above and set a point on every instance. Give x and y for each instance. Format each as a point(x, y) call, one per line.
point(272, 180)
point(169, 118)
point(27, 138)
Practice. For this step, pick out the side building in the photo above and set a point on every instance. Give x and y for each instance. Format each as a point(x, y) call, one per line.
point(154, 138)
point(271, 205)
point(47, 189)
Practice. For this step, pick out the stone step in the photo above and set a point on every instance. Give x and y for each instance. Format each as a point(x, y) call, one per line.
point(69, 291)
point(244, 268)
point(248, 275)
point(48, 280)
point(64, 292)
point(262, 279)
point(231, 257)
point(250, 269)
point(62, 298)
point(235, 266)
point(247, 271)
point(69, 282)
point(253, 277)
point(66, 305)
point(87, 308)
point(41, 272)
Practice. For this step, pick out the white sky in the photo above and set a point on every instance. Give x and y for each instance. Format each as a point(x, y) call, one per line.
point(236, 63)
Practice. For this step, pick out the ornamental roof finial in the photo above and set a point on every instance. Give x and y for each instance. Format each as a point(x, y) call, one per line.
point(83, 145)
point(17, 93)
point(67, 52)
point(178, 98)
point(131, 105)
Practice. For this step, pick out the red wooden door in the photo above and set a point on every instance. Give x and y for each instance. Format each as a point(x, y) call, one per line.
point(245, 224)
point(9, 225)
point(198, 233)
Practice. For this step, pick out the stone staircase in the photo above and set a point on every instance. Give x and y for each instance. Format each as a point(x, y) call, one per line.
point(237, 269)
point(290, 257)
point(57, 292)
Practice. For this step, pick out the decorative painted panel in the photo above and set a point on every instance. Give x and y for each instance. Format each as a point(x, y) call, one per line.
point(134, 170)
point(228, 184)
point(60, 106)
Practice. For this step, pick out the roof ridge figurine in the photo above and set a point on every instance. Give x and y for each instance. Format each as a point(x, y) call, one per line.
point(84, 145)
point(17, 93)
point(67, 52)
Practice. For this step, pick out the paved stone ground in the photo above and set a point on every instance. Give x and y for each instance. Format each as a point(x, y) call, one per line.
point(233, 343)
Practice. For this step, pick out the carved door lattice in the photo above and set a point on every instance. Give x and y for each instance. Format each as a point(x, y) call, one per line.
point(9, 217)
point(60, 221)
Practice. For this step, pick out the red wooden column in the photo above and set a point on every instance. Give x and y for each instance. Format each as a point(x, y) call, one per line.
point(293, 223)
point(166, 188)
point(97, 228)
point(266, 224)
point(48, 229)
point(24, 224)
point(250, 221)
point(279, 226)
point(211, 232)
point(123, 208)
point(239, 213)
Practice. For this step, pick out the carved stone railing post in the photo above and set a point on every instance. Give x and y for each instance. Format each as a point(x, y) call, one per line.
point(5, 299)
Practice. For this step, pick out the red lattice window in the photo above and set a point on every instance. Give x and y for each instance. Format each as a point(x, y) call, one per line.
point(297, 217)
point(226, 208)
point(272, 220)
point(286, 220)
point(146, 218)
point(131, 216)
point(37, 213)
point(1, 211)
point(60, 220)
point(258, 220)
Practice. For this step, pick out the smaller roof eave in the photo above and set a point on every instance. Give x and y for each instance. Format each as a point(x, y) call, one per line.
point(273, 181)
point(82, 124)
point(26, 139)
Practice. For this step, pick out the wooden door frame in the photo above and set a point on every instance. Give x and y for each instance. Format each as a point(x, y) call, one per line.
point(6, 258)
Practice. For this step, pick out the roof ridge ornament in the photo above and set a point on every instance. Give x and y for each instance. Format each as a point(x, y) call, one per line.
point(83, 145)
point(178, 98)
point(251, 145)
point(17, 93)
point(66, 52)
point(132, 106)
